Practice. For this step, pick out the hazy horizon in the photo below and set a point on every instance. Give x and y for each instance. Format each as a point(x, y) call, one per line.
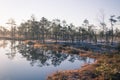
point(73, 11)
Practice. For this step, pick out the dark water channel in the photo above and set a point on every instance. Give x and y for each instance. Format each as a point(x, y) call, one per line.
point(23, 62)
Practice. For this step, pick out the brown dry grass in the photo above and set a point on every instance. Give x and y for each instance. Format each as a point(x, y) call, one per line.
point(87, 72)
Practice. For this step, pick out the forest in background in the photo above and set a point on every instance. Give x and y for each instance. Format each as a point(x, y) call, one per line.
point(58, 30)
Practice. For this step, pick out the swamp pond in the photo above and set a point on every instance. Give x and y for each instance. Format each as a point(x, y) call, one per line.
point(22, 62)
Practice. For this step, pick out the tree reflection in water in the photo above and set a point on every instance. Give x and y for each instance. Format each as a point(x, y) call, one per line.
point(42, 56)
point(3, 43)
point(13, 49)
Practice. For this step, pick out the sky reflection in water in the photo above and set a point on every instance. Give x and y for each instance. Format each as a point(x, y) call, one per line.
point(21, 62)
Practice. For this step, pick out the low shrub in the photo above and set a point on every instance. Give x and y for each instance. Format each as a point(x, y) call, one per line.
point(109, 67)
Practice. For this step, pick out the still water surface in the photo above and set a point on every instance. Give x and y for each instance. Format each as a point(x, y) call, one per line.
point(23, 62)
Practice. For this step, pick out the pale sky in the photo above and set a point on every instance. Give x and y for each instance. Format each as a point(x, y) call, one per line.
point(73, 11)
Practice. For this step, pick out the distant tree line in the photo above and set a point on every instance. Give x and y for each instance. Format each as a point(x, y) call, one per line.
point(59, 30)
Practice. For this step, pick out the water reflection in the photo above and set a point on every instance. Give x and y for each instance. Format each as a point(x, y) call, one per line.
point(3, 43)
point(13, 49)
point(45, 57)
point(42, 56)
point(22, 62)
